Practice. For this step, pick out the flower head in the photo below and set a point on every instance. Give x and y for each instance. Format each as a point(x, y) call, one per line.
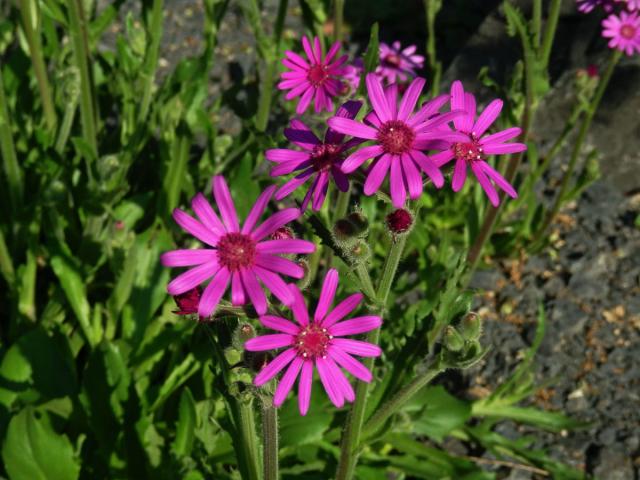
point(399, 136)
point(317, 342)
point(471, 147)
point(397, 63)
point(316, 78)
point(352, 75)
point(586, 6)
point(188, 301)
point(624, 32)
point(243, 256)
point(399, 221)
point(320, 160)
point(632, 5)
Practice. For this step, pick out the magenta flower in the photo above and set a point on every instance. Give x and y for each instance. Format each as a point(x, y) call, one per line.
point(314, 79)
point(237, 256)
point(397, 63)
point(624, 32)
point(320, 159)
point(317, 342)
point(632, 5)
point(472, 145)
point(351, 76)
point(399, 135)
point(586, 6)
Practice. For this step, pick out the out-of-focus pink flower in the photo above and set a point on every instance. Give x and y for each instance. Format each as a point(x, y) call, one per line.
point(320, 159)
point(471, 146)
point(351, 77)
point(397, 63)
point(317, 78)
point(317, 342)
point(586, 6)
point(623, 31)
point(632, 5)
point(400, 135)
point(240, 256)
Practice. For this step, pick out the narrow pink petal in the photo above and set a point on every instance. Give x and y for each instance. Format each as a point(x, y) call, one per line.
point(440, 119)
point(347, 110)
point(279, 324)
point(327, 294)
point(286, 246)
point(329, 383)
point(274, 222)
point(285, 155)
point(350, 364)
point(275, 285)
point(258, 209)
point(493, 149)
point(296, 74)
point(254, 291)
point(355, 325)
point(428, 109)
point(357, 158)
point(377, 174)
point(301, 135)
point(412, 176)
point(317, 50)
point(340, 179)
point(486, 184)
point(343, 309)
point(292, 83)
point(306, 45)
point(299, 307)
point(195, 228)
point(320, 188)
point(295, 68)
point(320, 100)
point(225, 203)
point(502, 136)
point(341, 380)
point(304, 102)
point(297, 59)
point(192, 278)
point(237, 290)
point(213, 293)
point(304, 387)
point(274, 366)
point(280, 265)
point(442, 158)
point(285, 168)
point(207, 215)
point(377, 97)
point(293, 184)
point(357, 347)
point(398, 191)
point(459, 175)
point(268, 342)
point(352, 127)
point(332, 52)
point(499, 180)
point(372, 119)
point(287, 381)
point(487, 117)
point(299, 90)
point(391, 94)
point(410, 98)
point(457, 102)
point(470, 108)
point(188, 258)
point(429, 167)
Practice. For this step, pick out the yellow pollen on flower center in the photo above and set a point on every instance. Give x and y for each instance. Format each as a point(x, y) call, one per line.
point(469, 151)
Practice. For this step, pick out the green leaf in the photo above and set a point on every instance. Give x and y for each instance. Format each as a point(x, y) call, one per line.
point(34, 451)
point(298, 430)
point(371, 56)
point(187, 421)
point(442, 413)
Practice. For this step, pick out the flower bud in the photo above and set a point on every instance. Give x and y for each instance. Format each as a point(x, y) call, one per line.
point(243, 332)
point(471, 326)
point(304, 282)
point(453, 341)
point(188, 302)
point(359, 253)
point(359, 223)
point(344, 232)
point(283, 233)
point(399, 221)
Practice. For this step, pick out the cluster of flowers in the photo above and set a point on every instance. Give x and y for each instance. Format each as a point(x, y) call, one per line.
point(401, 143)
point(623, 28)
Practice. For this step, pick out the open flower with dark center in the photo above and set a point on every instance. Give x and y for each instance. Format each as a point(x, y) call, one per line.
point(244, 257)
point(472, 146)
point(399, 136)
point(316, 78)
point(397, 63)
point(624, 32)
point(319, 160)
point(317, 342)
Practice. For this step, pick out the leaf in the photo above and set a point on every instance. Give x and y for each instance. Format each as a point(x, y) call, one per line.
point(187, 421)
point(371, 56)
point(442, 413)
point(34, 451)
point(297, 430)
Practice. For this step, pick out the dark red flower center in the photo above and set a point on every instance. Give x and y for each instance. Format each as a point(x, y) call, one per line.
point(469, 151)
point(324, 155)
point(392, 60)
point(399, 221)
point(317, 75)
point(396, 137)
point(236, 251)
point(627, 31)
point(313, 341)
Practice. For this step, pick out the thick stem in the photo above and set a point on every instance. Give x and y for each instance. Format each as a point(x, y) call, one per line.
point(77, 24)
point(37, 60)
point(249, 439)
point(151, 60)
point(6, 264)
point(550, 33)
point(577, 146)
point(9, 158)
point(432, 7)
point(338, 14)
point(536, 23)
point(270, 440)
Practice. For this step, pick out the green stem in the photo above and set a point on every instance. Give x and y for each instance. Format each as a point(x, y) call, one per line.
point(151, 60)
point(37, 59)
point(550, 33)
point(405, 394)
point(77, 24)
point(65, 127)
point(432, 7)
point(536, 23)
point(342, 205)
point(6, 264)
point(270, 439)
point(338, 13)
point(365, 282)
point(9, 158)
point(577, 146)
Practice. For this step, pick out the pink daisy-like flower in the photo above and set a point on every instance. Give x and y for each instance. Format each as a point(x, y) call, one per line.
point(472, 145)
point(400, 136)
point(240, 256)
point(397, 63)
point(320, 159)
point(586, 6)
point(317, 342)
point(314, 79)
point(624, 32)
point(351, 77)
point(632, 5)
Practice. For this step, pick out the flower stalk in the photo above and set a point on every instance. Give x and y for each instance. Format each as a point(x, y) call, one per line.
point(151, 60)
point(9, 158)
point(270, 439)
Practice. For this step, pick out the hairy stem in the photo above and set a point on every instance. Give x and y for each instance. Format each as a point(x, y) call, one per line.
point(270, 441)
point(550, 33)
point(10, 163)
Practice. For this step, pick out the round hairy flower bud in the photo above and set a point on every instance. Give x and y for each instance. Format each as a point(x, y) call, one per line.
point(283, 233)
point(471, 326)
point(399, 221)
point(344, 232)
point(304, 282)
point(360, 252)
point(453, 341)
point(359, 222)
